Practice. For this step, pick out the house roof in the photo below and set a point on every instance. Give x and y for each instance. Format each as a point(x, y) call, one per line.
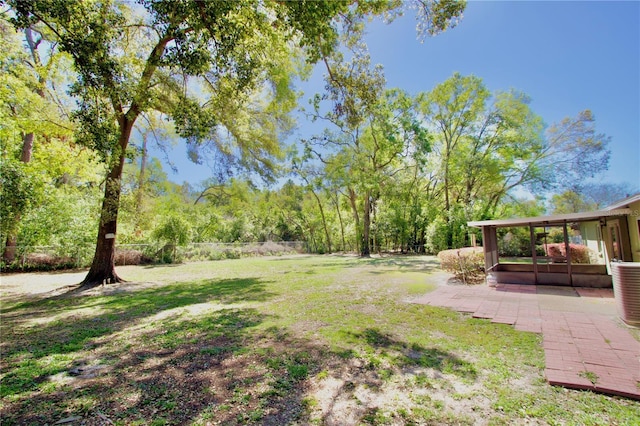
point(553, 219)
point(624, 203)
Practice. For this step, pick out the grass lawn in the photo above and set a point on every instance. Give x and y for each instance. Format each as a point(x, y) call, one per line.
point(293, 340)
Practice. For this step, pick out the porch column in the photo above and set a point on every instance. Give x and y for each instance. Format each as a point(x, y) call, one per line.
point(490, 243)
point(534, 255)
point(567, 248)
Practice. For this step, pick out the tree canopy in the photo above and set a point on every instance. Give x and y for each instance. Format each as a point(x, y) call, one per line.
point(94, 83)
point(133, 59)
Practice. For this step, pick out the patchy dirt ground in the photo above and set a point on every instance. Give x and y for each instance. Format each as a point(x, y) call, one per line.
point(164, 360)
point(217, 383)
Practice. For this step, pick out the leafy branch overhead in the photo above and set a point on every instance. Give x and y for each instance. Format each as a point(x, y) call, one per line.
point(91, 90)
point(214, 67)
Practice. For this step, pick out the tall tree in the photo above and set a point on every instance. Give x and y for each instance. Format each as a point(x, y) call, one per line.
point(371, 151)
point(573, 152)
point(570, 202)
point(454, 107)
point(132, 60)
point(487, 145)
point(28, 109)
point(373, 127)
point(481, 143)
point(312, 176)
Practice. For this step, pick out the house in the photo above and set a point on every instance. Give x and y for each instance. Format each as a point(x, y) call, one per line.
point(568, 249)
point(623, 236)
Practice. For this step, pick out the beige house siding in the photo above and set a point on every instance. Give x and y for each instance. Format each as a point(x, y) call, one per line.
point(591, 234)
point(634, 230)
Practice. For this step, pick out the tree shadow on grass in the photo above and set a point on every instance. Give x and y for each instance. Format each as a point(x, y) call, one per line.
point(214, 369)
point(157, 297)
point(40, 338)
point(167, 375)
point(415, 355)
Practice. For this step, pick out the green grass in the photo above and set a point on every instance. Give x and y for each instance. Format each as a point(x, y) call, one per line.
point(248, 341)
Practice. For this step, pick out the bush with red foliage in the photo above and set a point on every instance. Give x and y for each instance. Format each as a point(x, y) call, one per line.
point(578, 252)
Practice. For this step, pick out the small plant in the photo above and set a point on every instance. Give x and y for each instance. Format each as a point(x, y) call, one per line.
point(309, 402)
point(255, 415)
point(298, 371)
point(322, 375)
point(590, 376)
point(385, 374)
point(423, 381)
point(374, 416)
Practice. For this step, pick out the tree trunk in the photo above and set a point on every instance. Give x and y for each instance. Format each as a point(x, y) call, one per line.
point(9, 254)
point(103, 270)
point(356, 217)
point(324, 221)
point(27, 147)
point(141, 175)
point(337, 204)
point(366, 227)
point(140, 189)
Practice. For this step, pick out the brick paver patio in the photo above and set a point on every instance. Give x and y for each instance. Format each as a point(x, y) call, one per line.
point(586, 346)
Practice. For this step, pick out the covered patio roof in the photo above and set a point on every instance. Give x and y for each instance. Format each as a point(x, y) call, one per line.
point(553, 219)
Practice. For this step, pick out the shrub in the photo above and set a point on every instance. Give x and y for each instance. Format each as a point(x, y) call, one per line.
point(553, 250)
point(579, 253)
point(40, 262)
point(131, 257)
point(465, 263)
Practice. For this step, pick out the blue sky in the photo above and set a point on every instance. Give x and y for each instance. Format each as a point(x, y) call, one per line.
point(567, 56)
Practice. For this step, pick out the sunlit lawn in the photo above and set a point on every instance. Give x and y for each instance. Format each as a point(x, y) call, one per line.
point(292, 340)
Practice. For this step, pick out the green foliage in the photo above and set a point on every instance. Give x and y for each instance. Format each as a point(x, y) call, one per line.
point(173, 230)
point(396, 172)
point(125, 69)
point(436, 236)
point(221, 42)
point(570, 202)
point(483, 147)
point(17, 192)
point(56, 221)
point(25, 103)
point(514, 242)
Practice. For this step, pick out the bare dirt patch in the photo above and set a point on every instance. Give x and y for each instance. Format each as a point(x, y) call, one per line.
point(37, 283)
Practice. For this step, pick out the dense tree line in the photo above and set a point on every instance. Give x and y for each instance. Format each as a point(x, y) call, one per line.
point(89, 87)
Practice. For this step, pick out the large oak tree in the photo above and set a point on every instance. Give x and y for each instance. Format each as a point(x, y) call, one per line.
point(204, 64)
